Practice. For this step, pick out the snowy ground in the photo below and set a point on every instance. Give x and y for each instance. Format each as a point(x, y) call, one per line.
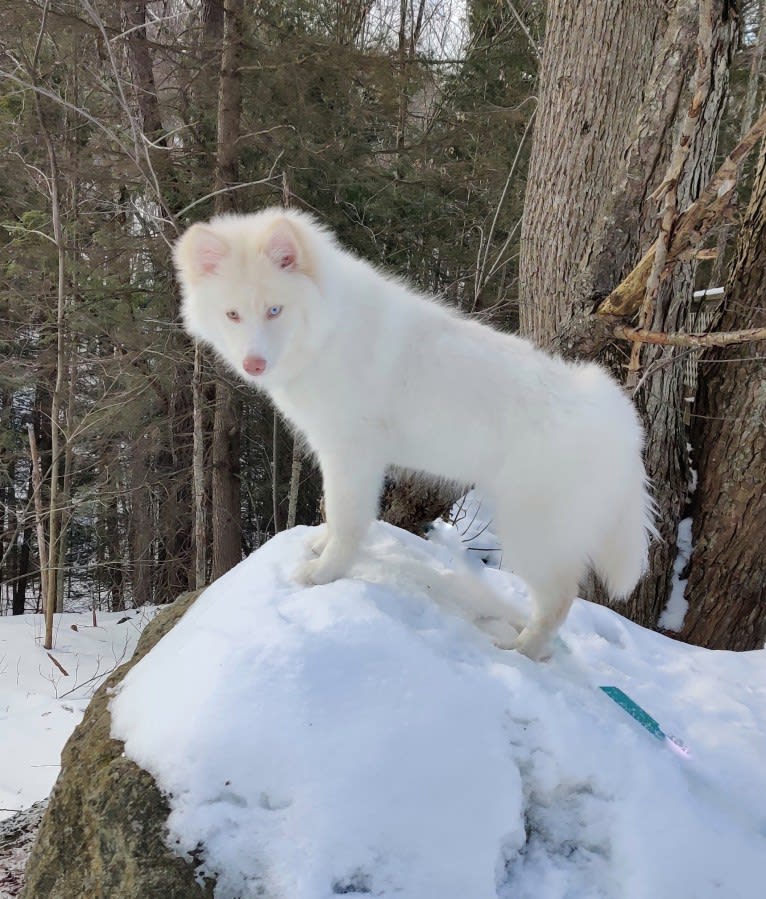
point(39, 704)
point(367, 738)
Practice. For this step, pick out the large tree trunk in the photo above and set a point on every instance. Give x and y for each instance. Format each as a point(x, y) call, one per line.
point(601, 148)
point(142, 68)
point(726, 590)
point(596, 64)
point(662, 397)
point(226, 499)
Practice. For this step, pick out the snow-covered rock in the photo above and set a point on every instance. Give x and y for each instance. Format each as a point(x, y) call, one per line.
point(368, 738)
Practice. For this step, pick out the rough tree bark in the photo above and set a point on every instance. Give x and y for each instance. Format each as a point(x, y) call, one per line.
point(212, 19)
point(141, 67)
point(226, 500)
point(727, 576)
point(37, 484)
point(175, 572)
point(662, 398)
point(198, 474)
point(174, 459)
point(596, 63)
point(140, 519)
point(601, 148)
point(58, 436)
point(22, 573)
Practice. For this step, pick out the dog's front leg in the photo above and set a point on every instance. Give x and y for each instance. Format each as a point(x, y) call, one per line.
point(351, 501)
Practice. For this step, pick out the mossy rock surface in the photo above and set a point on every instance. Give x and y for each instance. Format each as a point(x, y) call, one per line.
point(103, 834)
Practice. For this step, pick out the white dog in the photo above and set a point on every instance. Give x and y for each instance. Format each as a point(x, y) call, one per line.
point(375, 374)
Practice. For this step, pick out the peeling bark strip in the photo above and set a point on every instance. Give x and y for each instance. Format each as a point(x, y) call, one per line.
point(692, 226)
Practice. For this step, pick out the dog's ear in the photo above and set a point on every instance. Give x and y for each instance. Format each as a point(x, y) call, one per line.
point(283, 247)
point(199, 252)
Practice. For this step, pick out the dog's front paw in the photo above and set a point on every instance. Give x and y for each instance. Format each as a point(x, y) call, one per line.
point(315, 572)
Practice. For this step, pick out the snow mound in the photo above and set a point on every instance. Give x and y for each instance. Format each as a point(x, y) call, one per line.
point(367, 738)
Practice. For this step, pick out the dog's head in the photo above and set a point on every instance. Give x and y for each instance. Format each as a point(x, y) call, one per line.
point(250, 290)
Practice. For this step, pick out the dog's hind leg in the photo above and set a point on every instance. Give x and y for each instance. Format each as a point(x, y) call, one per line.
point(551, 601)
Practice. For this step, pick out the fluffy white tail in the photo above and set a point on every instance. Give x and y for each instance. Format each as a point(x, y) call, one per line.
point(623, 555)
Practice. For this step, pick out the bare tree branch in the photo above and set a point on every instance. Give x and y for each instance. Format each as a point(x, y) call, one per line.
point(720, 338)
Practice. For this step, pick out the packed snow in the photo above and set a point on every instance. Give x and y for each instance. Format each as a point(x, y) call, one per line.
point(41, 704)
point(672, 618)
point(368, 738)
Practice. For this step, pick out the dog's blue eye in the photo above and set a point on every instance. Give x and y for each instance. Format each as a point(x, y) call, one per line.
point(274, 311)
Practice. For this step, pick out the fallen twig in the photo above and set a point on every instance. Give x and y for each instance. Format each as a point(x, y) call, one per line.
point(58, 665)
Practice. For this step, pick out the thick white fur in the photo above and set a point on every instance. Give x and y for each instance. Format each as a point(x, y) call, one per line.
point(375, 374)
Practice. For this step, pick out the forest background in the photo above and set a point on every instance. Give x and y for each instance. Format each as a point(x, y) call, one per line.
point(589, 174)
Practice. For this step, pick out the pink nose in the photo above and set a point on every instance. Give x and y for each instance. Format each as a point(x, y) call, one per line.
point(254, 365)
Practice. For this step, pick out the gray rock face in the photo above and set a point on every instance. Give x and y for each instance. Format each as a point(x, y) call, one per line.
point(103, 834)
